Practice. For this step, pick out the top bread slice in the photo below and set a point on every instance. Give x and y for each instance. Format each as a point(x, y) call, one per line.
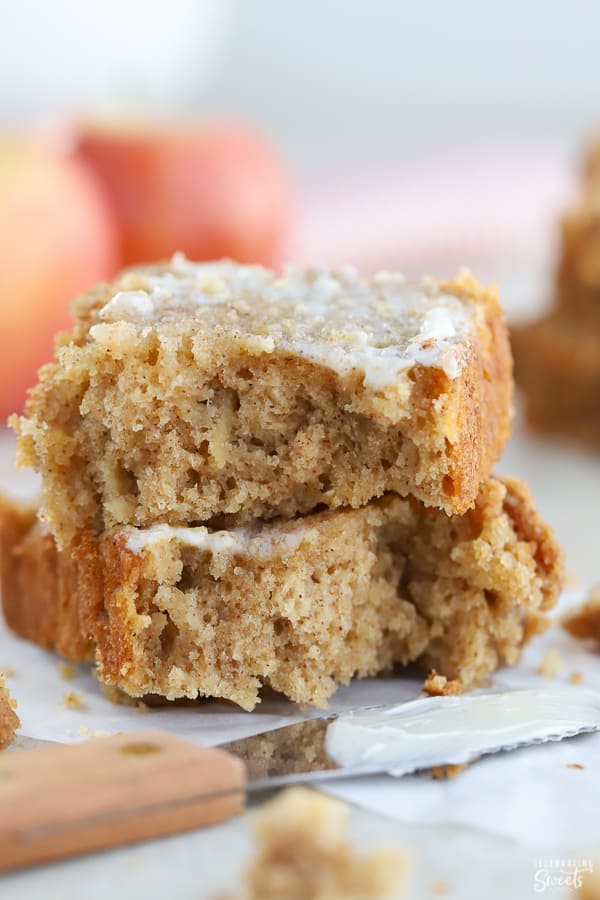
point(194, 393)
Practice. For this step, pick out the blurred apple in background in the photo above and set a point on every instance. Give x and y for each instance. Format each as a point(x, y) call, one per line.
point(58, 237)
point(210, 190)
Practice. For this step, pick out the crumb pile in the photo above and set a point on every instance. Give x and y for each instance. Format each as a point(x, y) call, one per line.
point(251, 479)
point(589, 889)
point(73, 700)
point(9, 720)
point(304, 853)
point(557, 358)
point(552, 664)
point(440, 686)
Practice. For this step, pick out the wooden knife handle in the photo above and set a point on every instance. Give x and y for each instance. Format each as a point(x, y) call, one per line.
point(64, 799)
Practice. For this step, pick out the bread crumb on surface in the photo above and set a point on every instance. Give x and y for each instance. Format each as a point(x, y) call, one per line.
point(9, 720)
point(73, 700)
point(441, 773)
point(584, 621)
point(84, 731)
point(7, 672)
point(67, 670)
point(552, 664)
point(574, 766)
point(439, 888)
point(575, 677)
point(590, 885)
point(439, 686)
point(304, 853)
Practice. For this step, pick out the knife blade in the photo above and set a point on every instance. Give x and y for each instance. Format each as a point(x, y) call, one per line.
point(62, 800)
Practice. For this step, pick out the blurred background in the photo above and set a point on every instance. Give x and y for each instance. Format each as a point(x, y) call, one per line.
point(415, 136)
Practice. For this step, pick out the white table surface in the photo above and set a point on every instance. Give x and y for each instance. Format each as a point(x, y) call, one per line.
point(474, 865)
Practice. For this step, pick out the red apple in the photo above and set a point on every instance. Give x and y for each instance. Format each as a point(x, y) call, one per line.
point(212, 190)
point(58, 238)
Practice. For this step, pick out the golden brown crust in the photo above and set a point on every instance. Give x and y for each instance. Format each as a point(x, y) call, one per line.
point(529, 527)
point(354, 592)
point(28, 558)
point(486, 393)
point(31, 573)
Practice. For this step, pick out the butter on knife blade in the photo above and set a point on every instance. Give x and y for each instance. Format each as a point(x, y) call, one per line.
point(451, 730)
point(414, 735)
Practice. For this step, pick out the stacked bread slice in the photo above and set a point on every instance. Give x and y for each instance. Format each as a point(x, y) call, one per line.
point(558, 356)
point(251, 479)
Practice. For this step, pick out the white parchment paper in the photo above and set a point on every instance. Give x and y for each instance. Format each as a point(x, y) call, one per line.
point(532, 795)
point(536, 795)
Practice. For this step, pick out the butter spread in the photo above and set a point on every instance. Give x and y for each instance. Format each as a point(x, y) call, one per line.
point(260, 542)
point(378, 327)
point(449, 730)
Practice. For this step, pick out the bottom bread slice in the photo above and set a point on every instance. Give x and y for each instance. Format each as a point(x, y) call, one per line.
point(301, 605)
